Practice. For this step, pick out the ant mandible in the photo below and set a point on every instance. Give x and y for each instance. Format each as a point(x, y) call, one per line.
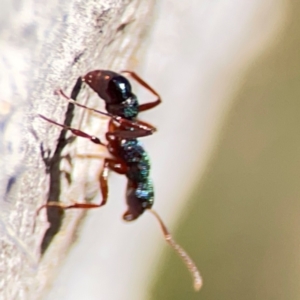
point(128, 155)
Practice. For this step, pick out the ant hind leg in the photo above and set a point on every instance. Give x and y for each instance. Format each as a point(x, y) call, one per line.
point(148, 105)
point(109, 164)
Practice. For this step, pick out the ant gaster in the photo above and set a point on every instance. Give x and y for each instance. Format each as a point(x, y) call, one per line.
point(128, 155)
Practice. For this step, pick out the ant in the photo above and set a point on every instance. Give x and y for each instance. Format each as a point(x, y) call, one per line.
point(129, 158)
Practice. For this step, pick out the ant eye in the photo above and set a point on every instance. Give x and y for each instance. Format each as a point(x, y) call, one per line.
point(119, 88)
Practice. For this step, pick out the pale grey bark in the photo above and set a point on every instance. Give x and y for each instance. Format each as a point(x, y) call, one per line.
point(46, 46)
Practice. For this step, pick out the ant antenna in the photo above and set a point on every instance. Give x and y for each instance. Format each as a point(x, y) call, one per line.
point(184, 256)
point(83, 106)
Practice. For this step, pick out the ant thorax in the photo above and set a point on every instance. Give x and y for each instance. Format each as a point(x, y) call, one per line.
point(127, 109)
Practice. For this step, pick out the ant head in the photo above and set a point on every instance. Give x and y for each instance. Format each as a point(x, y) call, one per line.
point(112, 87)
point(139, 198)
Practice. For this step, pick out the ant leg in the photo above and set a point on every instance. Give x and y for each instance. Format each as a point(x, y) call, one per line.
point(147, 125)
point(76, 132)
point(129, 134)
point(114, 165)
point(109, 164)
point(138, 129)
point(123, 132)
point(148, 105)
point(83, 106)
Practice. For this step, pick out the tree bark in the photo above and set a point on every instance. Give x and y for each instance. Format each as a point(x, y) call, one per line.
point(46, 47)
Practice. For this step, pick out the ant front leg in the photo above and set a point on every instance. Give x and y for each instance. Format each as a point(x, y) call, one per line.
point(149, 105)
point(146, 125)
point(76, 132)
point(124, 130)
point(137, 129)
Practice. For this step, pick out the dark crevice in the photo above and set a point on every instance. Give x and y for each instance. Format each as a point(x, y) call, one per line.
point(55, 214)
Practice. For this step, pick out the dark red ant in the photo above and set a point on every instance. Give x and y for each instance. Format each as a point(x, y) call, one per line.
point(128, 155)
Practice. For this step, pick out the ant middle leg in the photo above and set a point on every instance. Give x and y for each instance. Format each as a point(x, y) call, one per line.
point(148, 105)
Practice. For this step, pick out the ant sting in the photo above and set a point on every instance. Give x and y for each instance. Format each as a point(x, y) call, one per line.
point(128, 157)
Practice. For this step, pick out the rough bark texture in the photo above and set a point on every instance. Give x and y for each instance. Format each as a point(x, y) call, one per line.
point(46, 46)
